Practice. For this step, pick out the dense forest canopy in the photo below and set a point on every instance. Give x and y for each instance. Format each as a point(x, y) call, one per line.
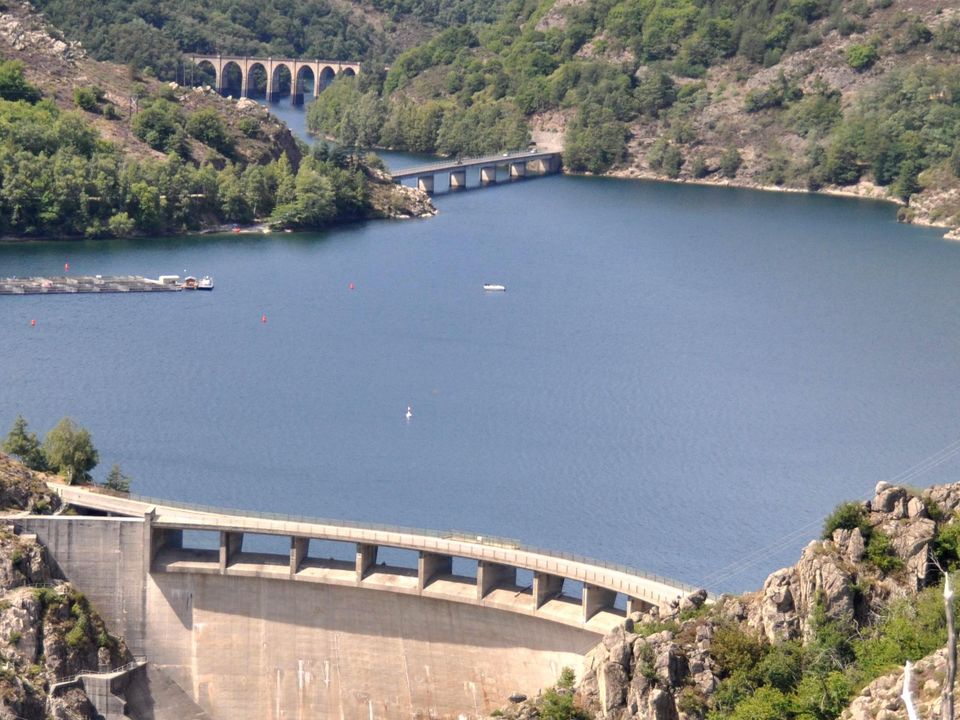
point(152, 34)
point(617, 68)
point(58, 177)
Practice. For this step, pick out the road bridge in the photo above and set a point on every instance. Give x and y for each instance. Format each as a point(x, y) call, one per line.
point(253, 634)
point(316, 73)
point(518, 164)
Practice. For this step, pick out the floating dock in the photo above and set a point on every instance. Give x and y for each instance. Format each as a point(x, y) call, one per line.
point(83, 284)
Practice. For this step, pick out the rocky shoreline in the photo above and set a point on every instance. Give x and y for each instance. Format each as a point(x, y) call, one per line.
point(673, 663)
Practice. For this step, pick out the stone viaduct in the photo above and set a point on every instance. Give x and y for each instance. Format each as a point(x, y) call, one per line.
point(253, 635)
point(320, 72)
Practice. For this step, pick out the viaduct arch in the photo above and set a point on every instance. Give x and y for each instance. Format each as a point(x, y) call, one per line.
point(320, 72)
point(254, 635)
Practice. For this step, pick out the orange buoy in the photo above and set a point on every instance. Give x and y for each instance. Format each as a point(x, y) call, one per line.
point(263, 318)
point(33, 323)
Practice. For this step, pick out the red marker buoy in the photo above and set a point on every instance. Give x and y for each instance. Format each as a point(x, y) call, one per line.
point(263, 318)
point(351, 286)
point(66, 267)
point(33, 323)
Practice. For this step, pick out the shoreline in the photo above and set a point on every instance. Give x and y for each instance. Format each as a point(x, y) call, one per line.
point(868, 191)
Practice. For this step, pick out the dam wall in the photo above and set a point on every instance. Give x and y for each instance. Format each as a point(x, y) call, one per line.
point(257, 648)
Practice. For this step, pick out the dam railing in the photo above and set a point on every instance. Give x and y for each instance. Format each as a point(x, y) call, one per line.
point(481, 539)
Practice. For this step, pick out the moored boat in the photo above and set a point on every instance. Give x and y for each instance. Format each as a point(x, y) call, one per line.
point(205, 283)
point(190, 283)
point(493, 287)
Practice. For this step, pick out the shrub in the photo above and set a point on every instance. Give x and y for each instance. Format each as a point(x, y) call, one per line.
point(946, 546)
point(13, 83)
point(846, 516)
point(160, 126)
point(880, 553)
point(698, 166)
point(730, 162)
point(862, 56)
point(207, 127)
point(566, 679)
point(735, 650)
point(85, 98)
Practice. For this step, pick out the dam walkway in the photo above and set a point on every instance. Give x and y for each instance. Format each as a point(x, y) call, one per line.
point(503, 574)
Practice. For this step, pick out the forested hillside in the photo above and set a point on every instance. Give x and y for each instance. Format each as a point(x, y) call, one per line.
point(89, 150)
point(152, 35)
point(859, 95)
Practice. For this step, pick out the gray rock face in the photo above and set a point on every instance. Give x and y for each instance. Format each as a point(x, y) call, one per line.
point(662, 706)
point(636, 677)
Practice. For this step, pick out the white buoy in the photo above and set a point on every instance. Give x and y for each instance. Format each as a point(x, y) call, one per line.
point(409, 412)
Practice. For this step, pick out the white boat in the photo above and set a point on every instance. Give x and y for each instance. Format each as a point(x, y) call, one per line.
point(205, 283)
point(493, 287)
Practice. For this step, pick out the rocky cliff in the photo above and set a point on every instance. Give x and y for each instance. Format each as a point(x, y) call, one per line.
point(48, 631)
point(677, 663)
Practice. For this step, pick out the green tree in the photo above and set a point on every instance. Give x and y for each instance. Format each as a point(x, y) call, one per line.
point(861, 56)
point(207, 127)
point(13, 83)
point(85, 98)
point(24, 445)
point(159, 126)
point(116, 480)
point(730, 162)
point(70, 452)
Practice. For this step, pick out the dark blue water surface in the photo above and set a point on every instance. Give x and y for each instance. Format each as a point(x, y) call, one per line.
point(676, 377)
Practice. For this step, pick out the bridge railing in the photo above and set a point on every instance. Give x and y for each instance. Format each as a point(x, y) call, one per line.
point(453, 164)
point(480, 539)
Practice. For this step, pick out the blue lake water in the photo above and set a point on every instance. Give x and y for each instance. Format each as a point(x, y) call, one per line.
point(676, 377)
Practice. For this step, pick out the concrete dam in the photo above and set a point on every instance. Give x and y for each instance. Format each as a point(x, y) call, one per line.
point(251, 635)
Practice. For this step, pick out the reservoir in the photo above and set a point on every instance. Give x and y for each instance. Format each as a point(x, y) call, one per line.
point(679, 378)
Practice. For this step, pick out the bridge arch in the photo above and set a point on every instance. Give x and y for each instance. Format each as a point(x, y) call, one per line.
point(205, 73)
point(306, 77)
point(281, 80)
point(327, 76)
point(258, 82)
point(348, 72)
point(232, 79)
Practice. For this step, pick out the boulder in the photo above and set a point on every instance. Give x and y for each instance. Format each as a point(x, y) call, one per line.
point(662, 706)
point(612, 687)
point(671, 665)
point(775, 613)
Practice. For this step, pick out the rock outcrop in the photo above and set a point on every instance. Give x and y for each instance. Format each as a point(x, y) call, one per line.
point(48, 631)
point(659, 665)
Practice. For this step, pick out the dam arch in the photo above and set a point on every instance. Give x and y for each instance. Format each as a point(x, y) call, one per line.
point(251, 635)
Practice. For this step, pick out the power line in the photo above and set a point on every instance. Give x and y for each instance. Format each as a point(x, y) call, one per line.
point(746, 562)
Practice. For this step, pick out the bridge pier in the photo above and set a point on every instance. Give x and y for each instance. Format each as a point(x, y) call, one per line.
point(425, 183)
point(299, 547)
point(429, 565)
point(493, 575)
point(596, 599)
point(366, 559)
point(518, 170)
point(231, 544)
point(545, 587)
point(488, 175)
point(458, 179)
